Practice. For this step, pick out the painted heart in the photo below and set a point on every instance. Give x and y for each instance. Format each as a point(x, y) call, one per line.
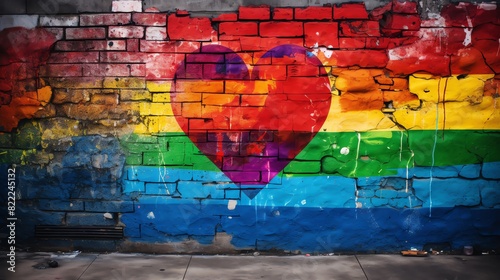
point(251, 120)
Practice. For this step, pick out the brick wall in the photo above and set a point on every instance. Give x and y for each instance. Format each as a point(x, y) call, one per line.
point(255, 125)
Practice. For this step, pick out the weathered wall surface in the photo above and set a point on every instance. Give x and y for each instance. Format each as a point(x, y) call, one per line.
point(315, 128)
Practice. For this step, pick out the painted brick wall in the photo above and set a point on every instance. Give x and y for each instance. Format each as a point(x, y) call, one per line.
point(319, 129)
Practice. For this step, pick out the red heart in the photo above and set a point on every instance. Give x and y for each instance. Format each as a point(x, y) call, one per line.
point(251, 124)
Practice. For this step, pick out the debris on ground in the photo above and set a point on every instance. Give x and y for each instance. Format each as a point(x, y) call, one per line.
point(414, 253)
point(46, 264)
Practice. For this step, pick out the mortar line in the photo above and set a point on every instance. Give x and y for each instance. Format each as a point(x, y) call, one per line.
point(362, 269)
point(79, 277)
point(187, 267)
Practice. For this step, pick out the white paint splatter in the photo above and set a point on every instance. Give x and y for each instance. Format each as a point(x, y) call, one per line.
point(151, 215)
point(344, 151)
point(303, 202)
point(359, 204)
point(468, 36)
point(108, 216)
point(231, 204)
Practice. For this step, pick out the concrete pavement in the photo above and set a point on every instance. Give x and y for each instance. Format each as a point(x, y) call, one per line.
point(94, 266)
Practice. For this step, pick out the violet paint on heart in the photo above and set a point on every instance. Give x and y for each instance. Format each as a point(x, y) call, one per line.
point(251, 124)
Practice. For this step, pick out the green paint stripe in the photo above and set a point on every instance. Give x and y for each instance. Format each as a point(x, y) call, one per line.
point(349, 154)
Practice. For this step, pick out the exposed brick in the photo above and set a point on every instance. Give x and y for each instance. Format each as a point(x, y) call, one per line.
point(359, 28)
point(73, 57)
point(105, 19)
point(61, 70)
point(150, 19)
point(186, 28)
point(170, 46)
point(226, 17)
point(321, 33)
point(91, 45)
point(123, 57)
point(97, 70)
point(134, 95)
point(238, 28)
point(75, 82)
point(61, 96)
point(126, 32)
point(254, 13)
point(314, 13)
point(85, 33)
point(281, 29)
point(104, 99)
point(402, 22)
point(350, 11)
point(283, 13)
point(352, 43)
point(59, 20)
point(126, 6)
point(156, 33)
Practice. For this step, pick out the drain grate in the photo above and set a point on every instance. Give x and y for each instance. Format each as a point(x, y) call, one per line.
point(78, 232)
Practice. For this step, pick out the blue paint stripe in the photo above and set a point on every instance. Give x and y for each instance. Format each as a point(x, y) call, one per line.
point(452, 186)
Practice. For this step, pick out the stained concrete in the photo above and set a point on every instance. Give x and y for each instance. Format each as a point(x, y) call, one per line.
point(274, 267)
point(87, 266)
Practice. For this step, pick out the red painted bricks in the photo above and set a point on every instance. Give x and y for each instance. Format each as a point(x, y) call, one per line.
point(352, 43)
point(404, 7)
point(313, 13)
point(321, 34)
point(254, 13)
point(283, 14)
point(359, 28)
point(281, 29)
point(402, 22)
point(350, 11)
point(186, 28)
point(238, 28)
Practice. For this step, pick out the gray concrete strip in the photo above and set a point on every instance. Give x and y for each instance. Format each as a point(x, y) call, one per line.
point(70, 266)
point(274, 267)
point(457, 267)
point(137, 266)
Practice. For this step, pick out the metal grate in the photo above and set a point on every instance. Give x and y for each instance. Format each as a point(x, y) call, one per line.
point(78, 232)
